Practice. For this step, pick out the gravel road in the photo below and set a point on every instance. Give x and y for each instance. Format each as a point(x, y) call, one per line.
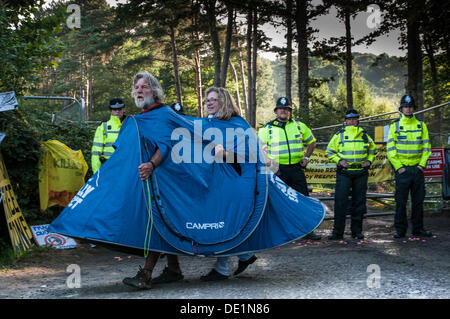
point(378, 267)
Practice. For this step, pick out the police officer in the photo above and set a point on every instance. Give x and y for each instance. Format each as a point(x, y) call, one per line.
point(353, 151)
point(106, 134)
point(285, 140)
point(408, 149)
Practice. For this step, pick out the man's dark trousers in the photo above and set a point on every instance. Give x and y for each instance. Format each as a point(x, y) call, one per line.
point(294, 176)
point(354, 182)
point(412, 179)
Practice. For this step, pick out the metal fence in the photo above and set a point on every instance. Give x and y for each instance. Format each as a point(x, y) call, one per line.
point(74, 111)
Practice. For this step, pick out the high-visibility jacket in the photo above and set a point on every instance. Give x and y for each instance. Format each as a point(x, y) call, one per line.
point(105, 135)
point(352, 145)
point(286, 141)
point(408, 143)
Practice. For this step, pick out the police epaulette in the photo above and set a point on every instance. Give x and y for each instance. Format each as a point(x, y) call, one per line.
point(340, 131)
point(275, 123)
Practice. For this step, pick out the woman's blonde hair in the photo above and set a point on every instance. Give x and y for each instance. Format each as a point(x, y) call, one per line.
point(227, 106)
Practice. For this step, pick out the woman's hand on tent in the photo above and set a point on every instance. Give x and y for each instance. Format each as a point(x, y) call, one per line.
point(219, 151)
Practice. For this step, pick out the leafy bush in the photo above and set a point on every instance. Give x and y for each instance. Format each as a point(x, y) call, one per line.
point(21, 150)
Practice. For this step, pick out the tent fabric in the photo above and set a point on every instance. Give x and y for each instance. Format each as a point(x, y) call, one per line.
point(194, 203)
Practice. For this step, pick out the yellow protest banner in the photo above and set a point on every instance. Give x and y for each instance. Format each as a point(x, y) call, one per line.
point(61, 174)
point(321, 171)
point(19, 231)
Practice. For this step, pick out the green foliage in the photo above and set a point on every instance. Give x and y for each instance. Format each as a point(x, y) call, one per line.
point(26, 42)
point(7, 254)
point(10, 259)
point(25, 129)
point(265, 94)
point(20, 150)
point(384, 75)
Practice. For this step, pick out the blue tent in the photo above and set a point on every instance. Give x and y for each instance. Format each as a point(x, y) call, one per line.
point(194, 203)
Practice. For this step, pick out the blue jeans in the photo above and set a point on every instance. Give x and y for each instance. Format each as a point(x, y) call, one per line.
point(221, 265)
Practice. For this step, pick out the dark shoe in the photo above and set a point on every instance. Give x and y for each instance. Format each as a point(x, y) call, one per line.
point(167, 276)
point(399, 235)
point(242, 265)
point(213, 275)
point(358, 235)
point(312, 236)
point(423, 233)
point(335, 236)
point(139, 281)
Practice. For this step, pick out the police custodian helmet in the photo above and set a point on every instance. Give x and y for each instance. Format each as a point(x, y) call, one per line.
point(177, 107)
point(282, 102)
point(407, 100)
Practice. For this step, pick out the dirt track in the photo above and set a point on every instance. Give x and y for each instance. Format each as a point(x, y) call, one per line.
point(409, 268)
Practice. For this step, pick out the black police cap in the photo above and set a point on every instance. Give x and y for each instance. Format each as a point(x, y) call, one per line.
point(351, 114)
point(116, 103)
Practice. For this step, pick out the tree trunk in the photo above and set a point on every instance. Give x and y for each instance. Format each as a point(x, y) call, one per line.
point(197, 60)
point(415, 71)
point(227, 49)
point(175, 65)
point(348, 58)
point(198, 83)
point(244, 88)
point(428, 43)
point(248, 116)
point(303, 60)
point(85, 90)
point(254, 67)
point(236, 85)
point(91, 92)
point(211, 11)
point(289, 50)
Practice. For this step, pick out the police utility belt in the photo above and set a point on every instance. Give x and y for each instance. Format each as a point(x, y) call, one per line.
point(352, 166)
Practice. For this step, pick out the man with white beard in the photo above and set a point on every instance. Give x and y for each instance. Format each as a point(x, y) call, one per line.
point(148, 95)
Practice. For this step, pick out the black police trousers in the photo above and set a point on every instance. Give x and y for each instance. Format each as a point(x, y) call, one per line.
point(411, 180)
point(354, 182)
point(294, 176)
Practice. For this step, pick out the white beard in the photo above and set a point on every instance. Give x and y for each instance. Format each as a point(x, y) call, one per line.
point(149, 100)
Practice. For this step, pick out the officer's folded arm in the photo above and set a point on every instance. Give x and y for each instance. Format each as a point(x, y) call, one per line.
point(366, 164)
point(343, 163)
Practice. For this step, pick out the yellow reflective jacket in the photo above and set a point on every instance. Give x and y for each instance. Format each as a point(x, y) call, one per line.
point(353, 145)
point(286, 141)
point(105, 135)
point(408, 143)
